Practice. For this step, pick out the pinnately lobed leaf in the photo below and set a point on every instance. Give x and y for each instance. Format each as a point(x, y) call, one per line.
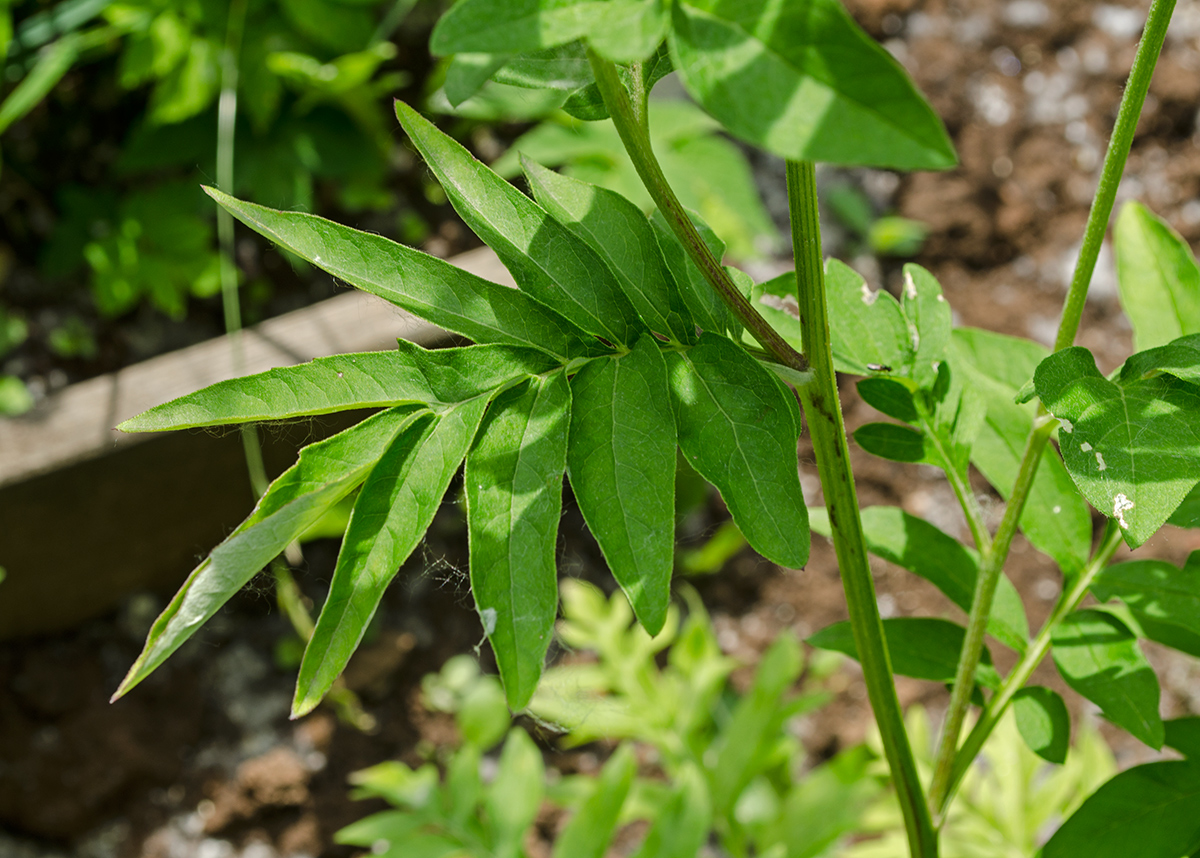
point(326, 472)
point(423, 285)
point(804, 81)
point(621, 462)
point(513, 482)
point(393, 511)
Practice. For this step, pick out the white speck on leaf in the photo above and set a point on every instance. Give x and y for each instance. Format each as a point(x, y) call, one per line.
point(488, 616)
point(317, 258)
point(1086, 447)
point(1100, 461)
point(868, 297)
point(910, 288)
point(1121, 504)
point(1057, 509)
point(941, 297)
point(1067, 425)
point(339, 375)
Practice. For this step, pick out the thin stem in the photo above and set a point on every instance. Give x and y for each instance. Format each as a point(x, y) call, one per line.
point(1114, 165)
point(637, 144)
point(1016, 680)
point(981, 610)
point(823, 412)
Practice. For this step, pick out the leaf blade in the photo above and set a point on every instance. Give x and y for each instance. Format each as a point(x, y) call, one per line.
point(622, 445)
point(394, 508)
point(513, 482)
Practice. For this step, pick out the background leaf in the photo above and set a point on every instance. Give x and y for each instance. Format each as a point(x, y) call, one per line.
point(1056, 519)
point(1132, 447)
point(1152, 811)
point(865, 326)
point(1043, 722)
point(738, 428)
point(916, 545)
point(802, 80)
point(590, 830)
point(515, 794)
point(393, 511)
point(1099, 657)
point(513, 481)
point(920, 647)
point(1162, 597)
point(1157, 278)
point(621, 460)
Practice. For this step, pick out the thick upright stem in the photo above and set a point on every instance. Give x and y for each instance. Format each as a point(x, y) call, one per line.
point(823, 412)
point(1114, 165)
point(637, 143)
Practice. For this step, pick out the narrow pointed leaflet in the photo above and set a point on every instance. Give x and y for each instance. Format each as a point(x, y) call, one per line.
point(618, 231)
point(738, 427)
point(423, 285)
point(546, 259)
point(393, 511)
point(408, 375)
point(325, 473)
point(621, 461)
point(513, 481)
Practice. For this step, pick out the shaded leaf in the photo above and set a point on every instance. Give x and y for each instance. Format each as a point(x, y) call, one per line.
point(618, 231)
point(802, 80)
point(738, 428)
point(865, 326)
point(393, 511)
point(1099, 657)
point(588, 104)
point(513, 482)
point(707, 308)
point(920, 647)
point(546, 259)
point(916, 545)
point(1157, 278)
point(890, 397)
point(682, 826)
point(895, 442)
point(1043, 722)
point(621, 461)
point(1151, 811)
point(1183, 734)
point(515, 794)
point(1132, 447)
point(1162, 597)
point(590, 830)
point(425, 286)
point(409, 375)
point(326, 472)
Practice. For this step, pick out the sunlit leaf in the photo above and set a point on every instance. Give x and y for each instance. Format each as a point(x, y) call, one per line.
point(1157, 278)
point(621, 462)
point(394, 508)
point(326, 472)
point(513, 481)
point(804, 81)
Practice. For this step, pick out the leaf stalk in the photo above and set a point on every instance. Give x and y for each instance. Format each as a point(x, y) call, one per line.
point(637, 143)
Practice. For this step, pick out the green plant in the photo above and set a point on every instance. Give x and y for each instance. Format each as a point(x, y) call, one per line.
point(627, 338)
point(308, 76)
point(731, 772)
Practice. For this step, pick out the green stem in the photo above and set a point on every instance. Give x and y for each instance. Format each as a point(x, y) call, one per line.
point(1114, 165)
point(951, 763)
point(637, 143)
point(823, 412)
point(1016, 680)
point(981, 610)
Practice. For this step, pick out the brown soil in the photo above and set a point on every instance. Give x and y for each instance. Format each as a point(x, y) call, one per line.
point(201, 757)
